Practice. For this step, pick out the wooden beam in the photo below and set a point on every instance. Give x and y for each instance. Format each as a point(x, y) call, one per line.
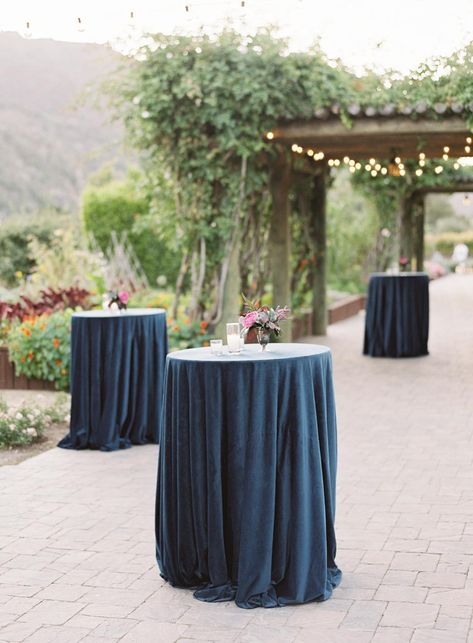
point(395, 126)
point(461, 186)
point(319, 242)
point(280, 234)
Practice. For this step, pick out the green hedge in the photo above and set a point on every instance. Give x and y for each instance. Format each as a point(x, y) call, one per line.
point(446, 242)
point(14, 251)
point(117, 206)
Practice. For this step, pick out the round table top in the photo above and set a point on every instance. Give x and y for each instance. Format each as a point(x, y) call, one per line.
point(399, 274)
point(108, 314)
point(251, 353)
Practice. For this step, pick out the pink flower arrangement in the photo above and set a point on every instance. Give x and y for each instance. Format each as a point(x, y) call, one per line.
point(123, 296)
point(264, 317)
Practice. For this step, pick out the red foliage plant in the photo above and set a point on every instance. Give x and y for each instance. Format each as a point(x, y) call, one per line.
point(51, 301)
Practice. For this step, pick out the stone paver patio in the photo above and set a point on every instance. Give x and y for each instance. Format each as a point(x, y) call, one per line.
point(76, 528)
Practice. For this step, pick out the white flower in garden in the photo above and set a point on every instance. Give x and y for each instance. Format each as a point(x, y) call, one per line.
point(31, 431)
point(30, 417)
point(12, 427)
point(18, 416)
point(36, 412)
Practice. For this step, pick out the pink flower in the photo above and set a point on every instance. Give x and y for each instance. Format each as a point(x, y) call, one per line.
point(250, 319)
point(123, 296)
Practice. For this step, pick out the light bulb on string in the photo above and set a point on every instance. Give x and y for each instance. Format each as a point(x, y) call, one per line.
point(445, 157)
point(421, 162)
point(468, 140)
point(467, 149)
point(456, 165)
point(419, 172)
point(131, 19)
point(422, 156)
point(80, 25)
point(446, 149)
point(438, 169)
point(397, 160)
point(270, 136)
point(384, 171)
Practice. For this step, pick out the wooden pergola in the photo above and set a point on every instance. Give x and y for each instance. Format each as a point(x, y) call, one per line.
point(307, 149)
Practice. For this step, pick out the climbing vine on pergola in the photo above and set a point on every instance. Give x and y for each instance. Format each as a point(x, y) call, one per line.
point(234, 119)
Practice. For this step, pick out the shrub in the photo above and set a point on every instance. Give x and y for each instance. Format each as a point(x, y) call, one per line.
point(121, 206)
point(23, 426)
point(187, 334)
point(40, 348)
point(446, 242)
point(15, 237)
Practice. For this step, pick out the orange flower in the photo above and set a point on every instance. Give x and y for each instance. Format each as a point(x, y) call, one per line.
point(42, 327)
point(22, 359)
point(204, 324)
point(58, 362)
point(175, 329)
point(26, 331)
point(30, 355)
point(56, 342)
point(206, 344)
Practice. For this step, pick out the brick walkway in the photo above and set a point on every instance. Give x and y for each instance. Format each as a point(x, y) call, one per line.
point(76, 528)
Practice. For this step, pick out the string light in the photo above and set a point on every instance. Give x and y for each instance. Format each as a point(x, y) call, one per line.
point(346, 160)
point(336, 162)
point(422, 156)
point(397, 160)
point(467, 149)
point(421, 162)
point(294, 147)
point(468, 140)
point(446, 149)
point(80, 25)
point(372, 161)
point(401, 166)
point(352, 169)
point(384, 171)
point(419, 172)
point(270, 136)
point(351, 163)
point(456, 165)
point(330, 162)
point(377, 167)
point(374, 173)
point(358, 166)
point(438, 169)
point(310, 152)
point(402, 172)
point(187, 8)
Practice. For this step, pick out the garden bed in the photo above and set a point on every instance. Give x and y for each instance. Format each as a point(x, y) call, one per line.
point(9, 379)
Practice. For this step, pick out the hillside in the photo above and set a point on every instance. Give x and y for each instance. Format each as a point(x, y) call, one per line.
point(50, 141)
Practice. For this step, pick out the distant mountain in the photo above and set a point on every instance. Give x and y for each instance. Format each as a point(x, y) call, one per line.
point(50, 141)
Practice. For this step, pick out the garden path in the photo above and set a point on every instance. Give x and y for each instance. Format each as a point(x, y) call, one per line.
point(76, 528)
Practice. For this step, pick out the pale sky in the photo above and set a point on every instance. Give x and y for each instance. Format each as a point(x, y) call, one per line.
point(396, 34)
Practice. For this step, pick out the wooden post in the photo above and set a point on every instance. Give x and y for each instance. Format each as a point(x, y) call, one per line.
point(280, 236)
point(319, 243)
point(405, 227)
point(419, 225)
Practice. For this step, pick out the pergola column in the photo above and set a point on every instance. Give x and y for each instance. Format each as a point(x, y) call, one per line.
point(280, 235)
point(405, 226)
point(318, 229)
point(419, 227)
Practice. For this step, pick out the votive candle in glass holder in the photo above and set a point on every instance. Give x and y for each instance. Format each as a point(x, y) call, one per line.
point(233, 338)
point(216, 346)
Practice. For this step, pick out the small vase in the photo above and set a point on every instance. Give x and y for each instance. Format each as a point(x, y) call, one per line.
point(262, 336)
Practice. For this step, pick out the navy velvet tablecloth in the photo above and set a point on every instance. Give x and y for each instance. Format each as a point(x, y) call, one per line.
point(397, 315)
point(117, 375)
point(245, 501)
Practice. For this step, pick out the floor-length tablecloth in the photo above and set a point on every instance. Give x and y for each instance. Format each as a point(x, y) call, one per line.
point(397, 315)
point(117, 374)
point(246, 486)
